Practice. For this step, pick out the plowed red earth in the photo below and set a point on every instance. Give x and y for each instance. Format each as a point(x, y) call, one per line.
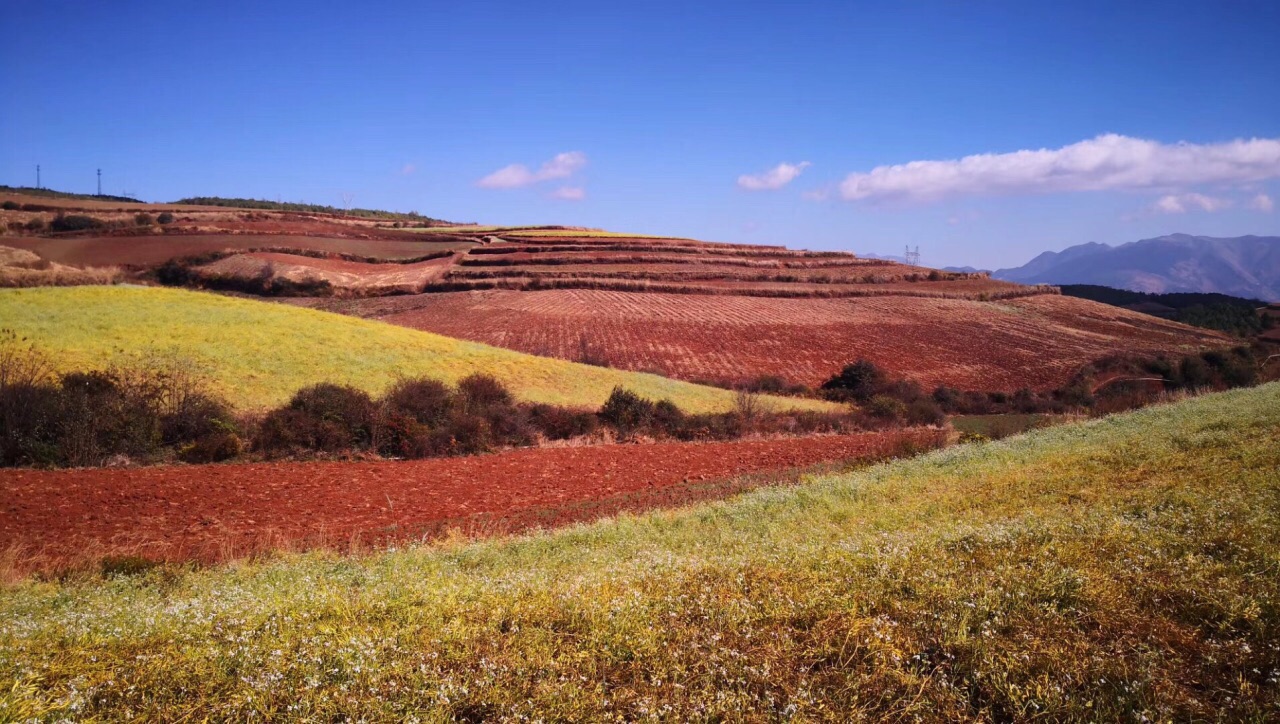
point(1038, 341)
point(55, 519)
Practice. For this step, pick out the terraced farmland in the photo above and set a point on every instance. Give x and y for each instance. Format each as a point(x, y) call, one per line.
point(1037, 341)
point(678, 307)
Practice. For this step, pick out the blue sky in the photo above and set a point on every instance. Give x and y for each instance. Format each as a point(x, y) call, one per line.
point(673, 118)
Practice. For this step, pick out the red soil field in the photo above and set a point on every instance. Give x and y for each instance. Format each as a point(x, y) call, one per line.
point(159, 248)
point(1037, 341)
point(51, 519)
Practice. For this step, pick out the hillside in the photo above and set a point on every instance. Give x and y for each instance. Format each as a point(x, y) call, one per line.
point(1038, 341)
point(698, 311)
point(1244, 266)
point(258, 354)
point(1118, 569)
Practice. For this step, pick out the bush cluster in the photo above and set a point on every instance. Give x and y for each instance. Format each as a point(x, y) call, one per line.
point(416, 418)
point(74, 222)
point(630, 416)
point(1117, 383)
point(182, 272)
point(88, 418)
point(881, 398)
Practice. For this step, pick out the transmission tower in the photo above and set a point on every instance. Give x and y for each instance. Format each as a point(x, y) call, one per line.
point(99, 182)
point(913, 257)
point(38, 176)
point(346, 200)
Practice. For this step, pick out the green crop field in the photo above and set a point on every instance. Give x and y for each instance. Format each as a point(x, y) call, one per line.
point(1120, 569)
point(260, 353)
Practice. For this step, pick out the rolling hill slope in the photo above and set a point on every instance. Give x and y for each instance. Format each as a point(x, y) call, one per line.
point(260, 353)
point(1038, 341)
point(1115, 570)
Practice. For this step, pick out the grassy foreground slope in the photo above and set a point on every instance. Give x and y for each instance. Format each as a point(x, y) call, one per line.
point(1118, 569)
point(259, 353)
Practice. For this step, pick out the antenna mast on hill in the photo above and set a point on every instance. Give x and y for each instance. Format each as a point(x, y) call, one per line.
point(99, 182)
point(913, 257)
point(37, 175)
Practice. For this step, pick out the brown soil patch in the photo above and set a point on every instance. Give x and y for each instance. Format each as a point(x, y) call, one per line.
point(211, 512)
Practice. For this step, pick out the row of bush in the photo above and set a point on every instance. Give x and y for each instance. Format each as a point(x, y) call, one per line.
point(263, 204)
point(88, 418)
point(1108, 385)
point(63, 223)
point(164, 410)
point(185, 273)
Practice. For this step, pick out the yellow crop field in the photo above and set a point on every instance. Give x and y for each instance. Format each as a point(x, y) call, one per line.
point(258, 354)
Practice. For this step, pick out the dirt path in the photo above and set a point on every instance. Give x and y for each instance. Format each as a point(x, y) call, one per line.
point(210, 512)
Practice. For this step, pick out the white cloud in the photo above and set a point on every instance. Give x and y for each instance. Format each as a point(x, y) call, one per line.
point(407, 169)
point(1108, 162)
point(1262, 203)
point(569, 193)
point(517, 174)
point(1181, 203)
point(774, 178)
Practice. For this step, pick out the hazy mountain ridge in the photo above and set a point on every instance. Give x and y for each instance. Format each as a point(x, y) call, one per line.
point(1243, 266)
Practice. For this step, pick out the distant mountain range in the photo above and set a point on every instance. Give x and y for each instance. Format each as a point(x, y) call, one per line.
point(1242, 266)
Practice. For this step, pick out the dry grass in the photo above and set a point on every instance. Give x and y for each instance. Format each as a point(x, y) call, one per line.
point(23, 268)
point(1122, 569)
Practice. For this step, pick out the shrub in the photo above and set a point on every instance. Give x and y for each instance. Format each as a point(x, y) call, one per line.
point(426, 401)
point(74, 222)
point(888, 409)
point(101, 415)
point(165, 218)
point(280, 432)
point(11, 205)
point(36, 224)
point(949, 398)
point(479, 391)
point(667, 418)
point(1193, 373)
point(558, 423)
point(748, 406)
point(143, 219)
point(858, 381)
point(324, 417)
point(214, 447)
point(924, 411)
point(174, 273)
point(465, 434)
point(196, 416)
point(1024, 401)
point(626, 412)
point(28, 404)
